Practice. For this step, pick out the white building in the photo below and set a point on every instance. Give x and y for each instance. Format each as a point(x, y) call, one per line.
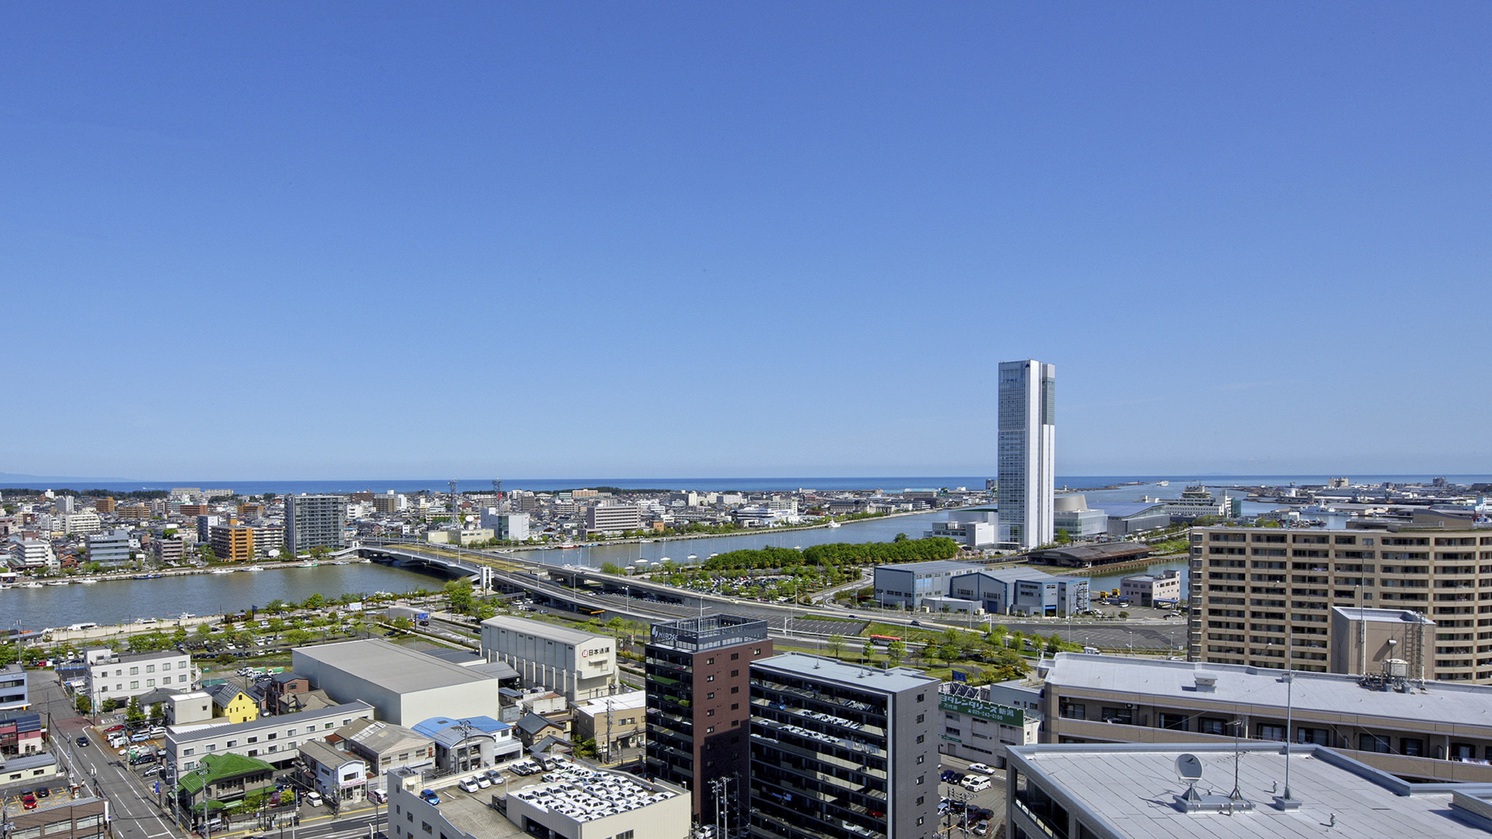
point(1026, 456)
point(32, 553)
point(509, 527)
point(577, 664)
point(121, 677)
point(338, 775)
point(972, 528)
point(274, 739)
point(84, 522)
point(613, 518)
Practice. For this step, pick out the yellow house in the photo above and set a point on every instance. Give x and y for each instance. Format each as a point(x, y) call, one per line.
point(228, 701)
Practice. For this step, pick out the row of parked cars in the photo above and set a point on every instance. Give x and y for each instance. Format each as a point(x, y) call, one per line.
point(481, 780)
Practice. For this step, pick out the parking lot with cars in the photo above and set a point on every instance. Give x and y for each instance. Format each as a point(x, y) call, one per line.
point(972, 798)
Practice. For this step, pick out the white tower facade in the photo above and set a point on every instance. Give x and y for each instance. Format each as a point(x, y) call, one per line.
point(1027, 452)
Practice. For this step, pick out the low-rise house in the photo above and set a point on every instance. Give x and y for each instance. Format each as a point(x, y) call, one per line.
point(233, 704)
point(470, 742)
point(339, 776)
point(386, 746)
point(220, 779)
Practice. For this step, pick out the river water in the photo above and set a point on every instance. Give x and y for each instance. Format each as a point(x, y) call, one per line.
point(126, 600)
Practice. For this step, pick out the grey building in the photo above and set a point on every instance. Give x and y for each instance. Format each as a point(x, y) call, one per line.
point(14, 695)
point(1022, 591)
point(314, 521)
point(906, 584)
point(112, 548)
point(842, 750)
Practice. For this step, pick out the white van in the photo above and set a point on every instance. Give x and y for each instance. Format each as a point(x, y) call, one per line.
point(975, 783)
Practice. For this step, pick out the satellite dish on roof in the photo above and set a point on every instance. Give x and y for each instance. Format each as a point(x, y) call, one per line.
point(1189, 767)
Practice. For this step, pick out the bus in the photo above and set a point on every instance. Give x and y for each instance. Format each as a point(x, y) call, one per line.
point(591, 610)
point(884, 639)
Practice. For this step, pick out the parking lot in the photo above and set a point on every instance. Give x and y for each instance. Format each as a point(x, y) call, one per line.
point(966, 812)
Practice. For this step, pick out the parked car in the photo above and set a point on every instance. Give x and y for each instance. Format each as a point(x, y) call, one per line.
point(28, 800)
point(311, 799)
point(378, 796)
point(976, 783)
point(483, 781)
point(113, 728)
point(430, 797)
point(139, 738)
point(43, 792)
point(467, 785)
point(982, 768)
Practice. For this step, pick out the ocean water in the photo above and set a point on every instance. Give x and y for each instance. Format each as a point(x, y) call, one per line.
point(721, 484)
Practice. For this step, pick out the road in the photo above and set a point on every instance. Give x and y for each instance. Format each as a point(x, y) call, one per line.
point(136, 811)
point(133, 810)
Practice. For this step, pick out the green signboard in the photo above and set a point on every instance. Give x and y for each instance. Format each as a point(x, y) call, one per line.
point(1002, 714)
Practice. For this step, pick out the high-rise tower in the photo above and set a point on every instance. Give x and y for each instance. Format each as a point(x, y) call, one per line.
point(1028, 395)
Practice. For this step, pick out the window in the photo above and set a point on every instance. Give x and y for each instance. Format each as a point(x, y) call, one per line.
point(150, 668)
point(134, 671)
point(1271, 732)
point(735, 689)
point(1118, 716)
point(232, 743)
point(1174, 722)
point(710, 660)
point(734, 656)
point(626, 834)
point(1372, 743)
point(1212, 725)
point(921, 697)
point(1412, 746)
point(710, 678)
point(135, 685)
point(921, 737)
point(920, 758)
point(920, 780)
point(735, 673)
point(1072, 710)
point(921, 718)
point(710, 695)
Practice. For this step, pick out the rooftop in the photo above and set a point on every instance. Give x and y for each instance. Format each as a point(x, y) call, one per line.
point(396, 668)
point(931, 566)
point(1132, 790)
point(193, 731)
point(894, 680)
point(1260, 687)
point(547, 630)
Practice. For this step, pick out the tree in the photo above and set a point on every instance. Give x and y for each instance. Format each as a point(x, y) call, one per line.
point(83, 704)
point(836, 645)
point(315, 601)
point(1063, 536)
point(868, 652)
point(110, 704)
point(459, 593)
point(1054, 643)
point(134, 715)
point(157, 714)
point(896, 651)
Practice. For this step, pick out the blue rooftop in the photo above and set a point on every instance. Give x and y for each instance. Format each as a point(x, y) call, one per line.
point(435, 725)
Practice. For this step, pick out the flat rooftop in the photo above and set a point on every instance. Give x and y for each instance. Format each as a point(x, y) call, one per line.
point(894, 680)
point(1131, 790)
point(1245, 686)
point(396, 668)
point(563, 634)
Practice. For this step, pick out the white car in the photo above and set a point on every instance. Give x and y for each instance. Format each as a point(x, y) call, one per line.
point(982, 768)
point(483, 781)
point(468, 785)
point(311, 799)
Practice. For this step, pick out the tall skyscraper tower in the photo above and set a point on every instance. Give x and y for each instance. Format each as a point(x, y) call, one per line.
point(1028, 395)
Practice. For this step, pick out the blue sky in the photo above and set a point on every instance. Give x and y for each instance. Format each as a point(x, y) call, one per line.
point(349, 240)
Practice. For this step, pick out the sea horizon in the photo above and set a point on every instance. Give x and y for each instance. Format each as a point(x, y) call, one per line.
point(889, 483)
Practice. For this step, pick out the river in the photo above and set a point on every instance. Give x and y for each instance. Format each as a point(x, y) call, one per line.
point(123, 601)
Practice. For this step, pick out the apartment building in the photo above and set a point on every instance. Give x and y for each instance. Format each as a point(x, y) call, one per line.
point(233, 542)
point(15, 694)
point(698, 709)
point(121, 677)
point(112, 548)
point(842, 750)
point(1257, 591)
point(314, 521)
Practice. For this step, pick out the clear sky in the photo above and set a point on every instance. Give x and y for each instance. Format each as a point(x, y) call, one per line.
point(346, 240)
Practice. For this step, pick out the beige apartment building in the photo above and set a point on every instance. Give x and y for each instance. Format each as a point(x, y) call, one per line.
point(1256, 592)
